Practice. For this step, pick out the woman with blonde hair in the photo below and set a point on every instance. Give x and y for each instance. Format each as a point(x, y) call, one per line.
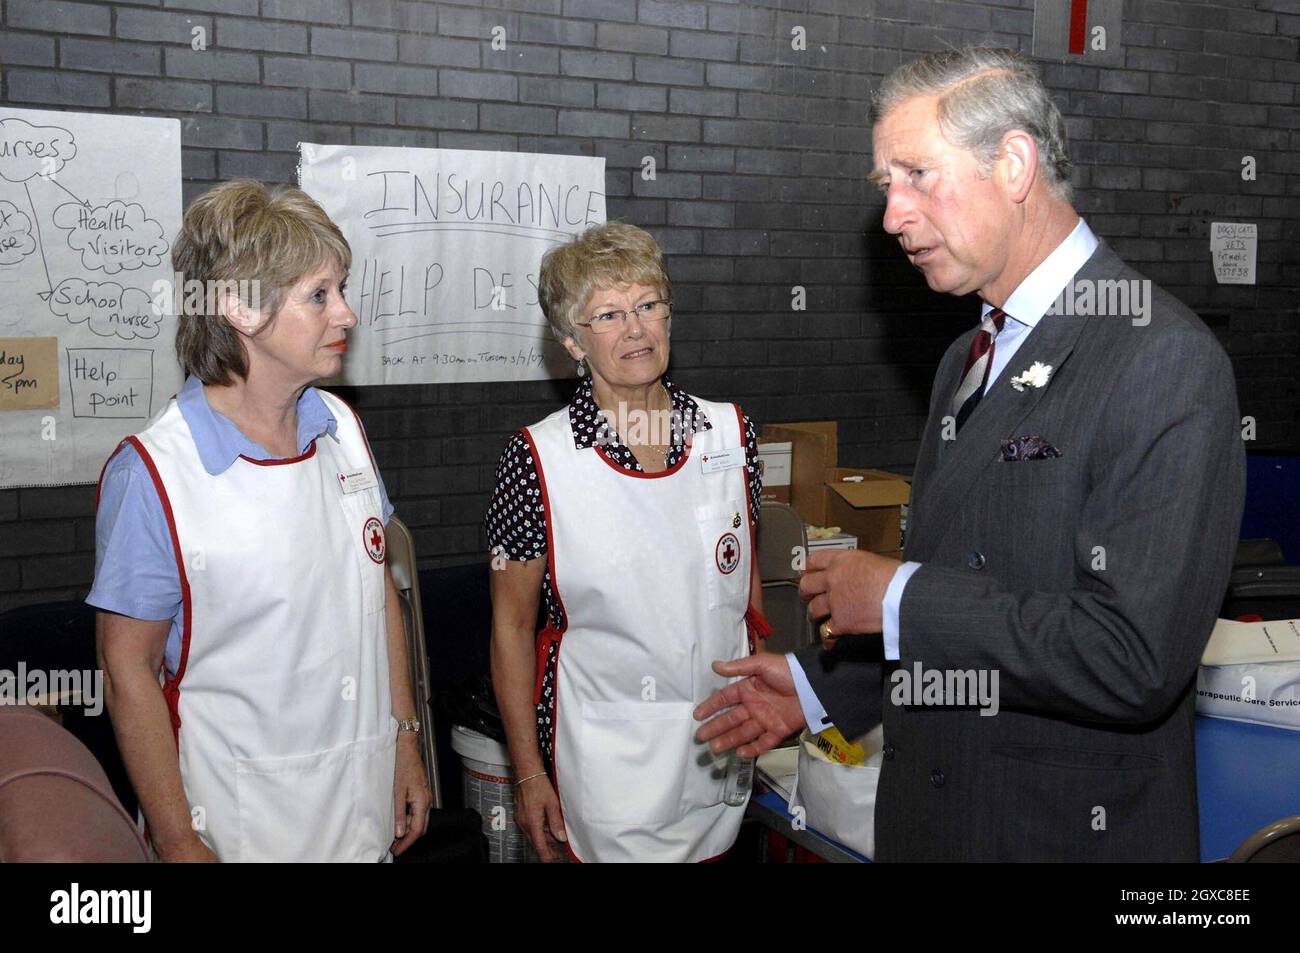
point(241, 564)
point(631, 513)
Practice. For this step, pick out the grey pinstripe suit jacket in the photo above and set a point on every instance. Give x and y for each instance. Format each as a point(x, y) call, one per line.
point(1091, 756)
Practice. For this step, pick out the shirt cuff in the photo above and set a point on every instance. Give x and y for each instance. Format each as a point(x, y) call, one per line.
point(813, 712)
point(889, 608)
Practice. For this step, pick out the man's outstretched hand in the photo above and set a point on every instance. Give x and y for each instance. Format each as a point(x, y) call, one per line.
point(754, 714)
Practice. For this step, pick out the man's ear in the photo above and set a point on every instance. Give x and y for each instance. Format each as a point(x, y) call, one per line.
point(571, 346)
point(1018, 164)
point(242, 318)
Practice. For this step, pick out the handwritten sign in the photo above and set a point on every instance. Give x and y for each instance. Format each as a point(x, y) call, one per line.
point(446, 247)
point(1233, 246)
point(29, 373)
point(87, 215)
point(111, 382)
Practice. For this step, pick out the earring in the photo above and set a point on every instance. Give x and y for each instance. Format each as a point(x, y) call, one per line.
point(582, 367)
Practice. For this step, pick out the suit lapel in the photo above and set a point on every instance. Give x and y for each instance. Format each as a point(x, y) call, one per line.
point(958, 463)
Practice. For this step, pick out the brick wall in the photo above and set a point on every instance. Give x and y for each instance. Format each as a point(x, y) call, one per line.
point(760, 151)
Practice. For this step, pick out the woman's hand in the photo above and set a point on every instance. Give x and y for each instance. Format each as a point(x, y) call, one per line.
point(190, 850)
point(411, 794)
point(537, 812)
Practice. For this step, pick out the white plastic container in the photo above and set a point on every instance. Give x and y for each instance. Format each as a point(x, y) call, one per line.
point(488, 784)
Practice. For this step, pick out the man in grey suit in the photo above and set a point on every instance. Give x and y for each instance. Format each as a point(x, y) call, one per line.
point(1075, 508)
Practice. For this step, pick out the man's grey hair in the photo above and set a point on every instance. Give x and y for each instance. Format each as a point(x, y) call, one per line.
point(984, 94)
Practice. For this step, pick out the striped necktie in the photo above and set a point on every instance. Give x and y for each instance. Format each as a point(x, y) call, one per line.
point(978, 362)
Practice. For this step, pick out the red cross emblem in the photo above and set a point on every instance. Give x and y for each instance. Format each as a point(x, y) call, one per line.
point(727, 553)
point(372, 537)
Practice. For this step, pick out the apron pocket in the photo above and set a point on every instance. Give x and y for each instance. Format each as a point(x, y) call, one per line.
point(334, 805)
point(724, 536)
point(634, 758)
point(369, 544)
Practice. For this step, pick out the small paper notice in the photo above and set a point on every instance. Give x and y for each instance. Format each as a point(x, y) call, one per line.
point(29, 373)
point(1233, 245)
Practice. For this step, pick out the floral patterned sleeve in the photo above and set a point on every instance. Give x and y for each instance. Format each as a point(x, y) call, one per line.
point(752, 470)
point(516, 517)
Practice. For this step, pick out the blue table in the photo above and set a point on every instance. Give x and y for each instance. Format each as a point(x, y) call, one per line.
point(1247, 776)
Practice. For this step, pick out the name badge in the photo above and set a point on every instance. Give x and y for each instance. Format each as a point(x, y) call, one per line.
point(354, 481)
point(716, 461)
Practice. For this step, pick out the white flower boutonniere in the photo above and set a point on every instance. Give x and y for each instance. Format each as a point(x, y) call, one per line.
point(1036, 376)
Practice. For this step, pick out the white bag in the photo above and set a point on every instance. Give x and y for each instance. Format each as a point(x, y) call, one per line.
point(839, 800)
point(1251, 672)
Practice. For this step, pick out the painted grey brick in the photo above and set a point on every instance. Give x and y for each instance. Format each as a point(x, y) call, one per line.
point(61, 88)
point(631, 39)
point(23, 49)
point(495, 117)
point(733, 76)
point(263, 166)
point(624, 10)
point(741, 19)
point(245, 8)
point(353, 44)
point(158, 26)
point(544, 91)
point(629, 97)
point(690, 16)
point(558, 32)
point(209, 64)
point(701, 159)
point(520, 58)
point(303, 73)
point(596, 65)
point(56, 16)
point(651, 69)
point(437, 113)
point(260, 35)
point(1123, 81)
point(162, 94)
point(630, 155)
point(284, 136)
point(595, 124)
point(221, 132)
point(388, 136)
point(642, 212)
point(351, 107)
point(459, 84)
point(768, 162)
point(401, 80)
point(109, 56)
point(395, 15)
point(702, 215)
point(705, 46)
point(477, 24)
point(702, 102)
point(674, 185)
point(436, 51)
point(255, 101)
point(666, 128)
point(308, 11)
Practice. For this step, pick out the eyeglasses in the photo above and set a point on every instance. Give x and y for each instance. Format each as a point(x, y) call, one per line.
point(647, 311)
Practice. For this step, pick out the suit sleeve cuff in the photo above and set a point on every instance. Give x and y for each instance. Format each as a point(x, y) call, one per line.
point(813, 712)
point(889, 608)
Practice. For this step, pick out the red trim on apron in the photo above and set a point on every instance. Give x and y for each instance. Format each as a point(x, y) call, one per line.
point(172, 686)
point(641, 474)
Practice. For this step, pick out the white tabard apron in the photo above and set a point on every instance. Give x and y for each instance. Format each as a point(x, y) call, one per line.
point(653, 574)
point(281, 700)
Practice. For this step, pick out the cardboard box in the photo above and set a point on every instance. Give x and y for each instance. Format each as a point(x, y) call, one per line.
point(838, 541)
point(774, 466)
point(868, 508)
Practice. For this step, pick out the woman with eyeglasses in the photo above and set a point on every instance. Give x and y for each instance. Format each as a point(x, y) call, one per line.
point(630, 513)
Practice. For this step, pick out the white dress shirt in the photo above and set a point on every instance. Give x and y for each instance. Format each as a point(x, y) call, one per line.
point(1025, 307)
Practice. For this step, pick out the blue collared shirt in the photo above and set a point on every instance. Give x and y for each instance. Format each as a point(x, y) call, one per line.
point(1024, 307)
point(135, 564)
